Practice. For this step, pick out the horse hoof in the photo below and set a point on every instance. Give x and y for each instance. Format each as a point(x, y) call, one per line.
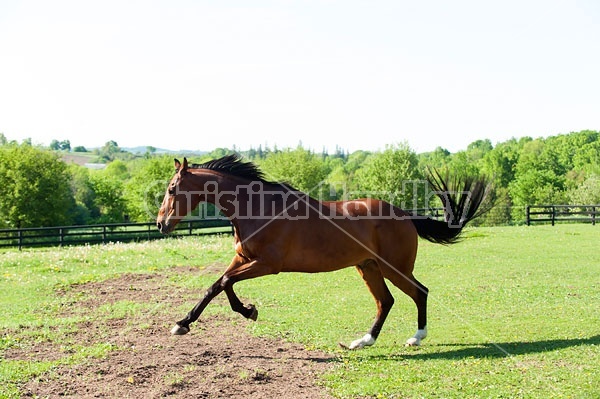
point(360, 343)
point(179, 330)
point(417, 338)
point(254, 315)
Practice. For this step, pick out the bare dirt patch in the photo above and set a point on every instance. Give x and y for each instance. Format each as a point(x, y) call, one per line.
point(218, 359)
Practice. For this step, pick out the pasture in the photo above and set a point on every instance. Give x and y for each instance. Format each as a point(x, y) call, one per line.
point(513, 312)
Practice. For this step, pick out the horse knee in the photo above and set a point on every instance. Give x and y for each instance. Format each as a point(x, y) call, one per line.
point(225, 282)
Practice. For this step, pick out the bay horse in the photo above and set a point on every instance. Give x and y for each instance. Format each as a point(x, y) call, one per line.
point(279, 229)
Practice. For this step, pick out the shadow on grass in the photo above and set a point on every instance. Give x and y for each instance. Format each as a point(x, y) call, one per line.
point(490, 350)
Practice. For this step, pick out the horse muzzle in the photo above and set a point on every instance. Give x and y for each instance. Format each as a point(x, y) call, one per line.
point(164, 227)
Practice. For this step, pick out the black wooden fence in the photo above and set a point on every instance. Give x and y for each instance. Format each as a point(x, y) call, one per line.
point(128, 232)
point(562, 213)
point(104, 233)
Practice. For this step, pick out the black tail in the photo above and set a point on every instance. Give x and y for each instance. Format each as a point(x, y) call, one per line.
point(460, 207)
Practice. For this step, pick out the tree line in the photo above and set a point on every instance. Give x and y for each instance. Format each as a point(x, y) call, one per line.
point(39, 187)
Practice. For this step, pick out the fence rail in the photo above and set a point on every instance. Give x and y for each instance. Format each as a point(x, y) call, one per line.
point(127, 232)
point(104, 233)
point(562, 213)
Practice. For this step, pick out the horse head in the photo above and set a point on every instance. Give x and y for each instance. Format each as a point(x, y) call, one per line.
point(178, 200)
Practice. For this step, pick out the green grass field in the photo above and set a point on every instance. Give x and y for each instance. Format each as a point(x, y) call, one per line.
point(513, 312)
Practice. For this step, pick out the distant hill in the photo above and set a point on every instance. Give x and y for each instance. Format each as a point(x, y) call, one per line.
point(144, 149)
point(79, 158)
point(88, 158)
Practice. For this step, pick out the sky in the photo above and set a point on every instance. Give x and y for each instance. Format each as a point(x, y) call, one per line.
point(354, 75)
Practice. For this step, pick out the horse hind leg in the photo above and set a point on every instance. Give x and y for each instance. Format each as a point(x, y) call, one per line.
point(421, 302)
point(249, 311)
point(408, 284)
point(373, 278)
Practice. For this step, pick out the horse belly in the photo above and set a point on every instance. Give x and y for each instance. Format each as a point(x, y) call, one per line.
point(326, 249)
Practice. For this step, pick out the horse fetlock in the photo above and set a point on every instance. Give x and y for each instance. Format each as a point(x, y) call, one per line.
point(179, 330)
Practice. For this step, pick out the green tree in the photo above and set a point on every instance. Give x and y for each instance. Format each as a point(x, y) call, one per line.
point(353, 163)
point(587, 157)
point(145, 189)
point(478, 149)
point(392, 175)
point(218, 153)
point(461, 164)
point(300, 168)
point(86, 210)
point(117, 169)
point(539, 175)
point(535, 187)
point(587, 193)
point(337, 179)
point(64, 145)
point(342, 169)
point(438, 159)
point(499, 166)
point(499, 163)
point(108, 197)
point(109, 151)
point(35, 188)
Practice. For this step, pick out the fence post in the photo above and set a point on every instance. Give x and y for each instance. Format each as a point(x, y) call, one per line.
point(104, 234)
point(60, 236)
point(528, 219)
point(553, 214)
point(20, 235)
point(593, 215)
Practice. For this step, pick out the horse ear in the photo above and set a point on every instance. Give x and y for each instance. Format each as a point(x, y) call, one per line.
point(182, 169)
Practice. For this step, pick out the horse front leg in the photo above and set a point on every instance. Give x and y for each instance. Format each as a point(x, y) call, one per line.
point(240, 269)
point(182, 327)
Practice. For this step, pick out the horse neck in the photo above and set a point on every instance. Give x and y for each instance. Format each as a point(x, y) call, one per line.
point(232, 196)
point(224, 186)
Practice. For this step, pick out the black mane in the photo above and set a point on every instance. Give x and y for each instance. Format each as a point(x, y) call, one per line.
point(233, 164)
